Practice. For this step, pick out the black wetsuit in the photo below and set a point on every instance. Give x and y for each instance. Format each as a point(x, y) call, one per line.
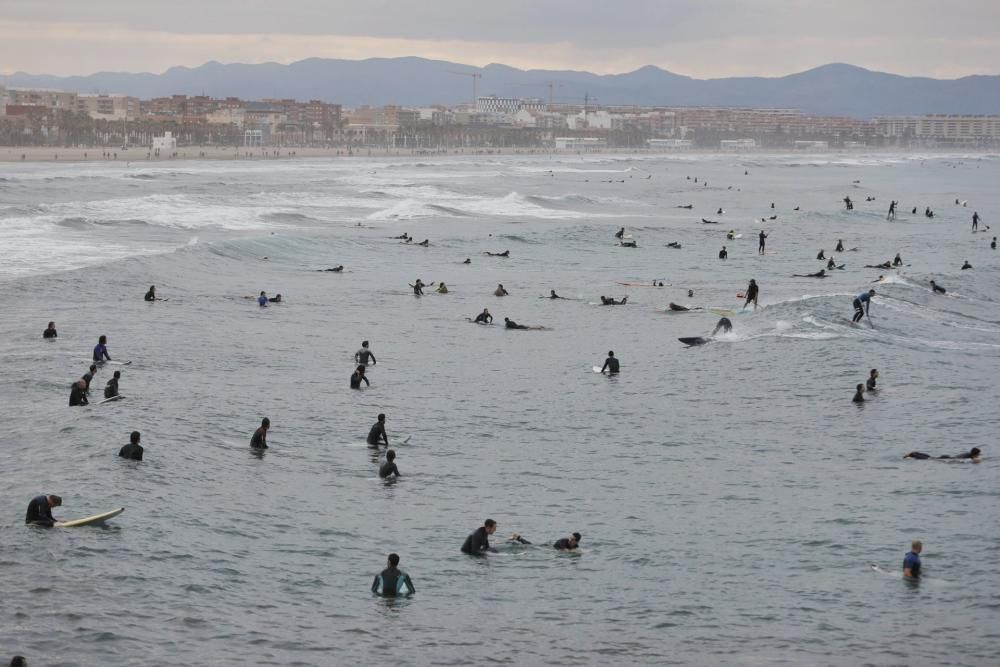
point(389, 582)
point(388, 468)
point(723, 324)
point(259, 439)
point(611, 364)
point(39, 512)
point(483, 318)
point(111, 388)
point(723, 254)
point(477, 542)
point(760, 244)
point(564, 543)
point(356, 379)
point(150, 296)
point(921, 456)
point(131, 451)
point(858, 397)
point(77, 396)
point(511, 324)
point(751, 293)
point(50, 333)
point(377, 434)
point(840, 247)
point(87, 377)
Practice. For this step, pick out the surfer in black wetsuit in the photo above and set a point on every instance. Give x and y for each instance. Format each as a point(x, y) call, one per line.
point(859, 394)
point(723, 324)
point(132, 451)
point(78, 393)
point(467, 261)
point(975, 220)
point(610, 364)
point(424, 243)
point(484, 317)
point(111, 388)
point(840, 246)
point(336, 269)
point(389, 467)
point(971, 454)
point(275, 299)
point(937, 288)
point(674, 244)
point(553, 295)
point(820, 255)
point(761, 238)
point(897, 260)
point(479, 541)
point(418, 287)
point(151, 294)
point(723, 254)
point(605, 301)
point(259, 438)
point(966, 265)
point(993, 245)
point(377, 434)
point(751, 294)
point(392, 581)
point(358, 376)
point(819, 274)
point(568, 543)
point(891, 215)
point(511, 324)
point(872, 379)
point(505, 253)
point(40, 511)
point(620, 234)
point(51, 332)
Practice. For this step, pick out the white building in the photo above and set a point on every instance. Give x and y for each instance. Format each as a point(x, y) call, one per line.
point(812, 145)
point(580, 144)
point(952, 128)
point(108, 107)
point(738, 144)
point(168, 142)
point(669, 144)
point(226, 117)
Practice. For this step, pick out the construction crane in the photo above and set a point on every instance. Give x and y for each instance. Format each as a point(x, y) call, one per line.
point(551, 85)
point(475, 76)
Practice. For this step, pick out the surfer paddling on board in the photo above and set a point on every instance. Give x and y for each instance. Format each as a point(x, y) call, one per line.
point(862, 305)
point(606, 301)
point(362, 356)
point(553, 295)
point(132, 451)
point(568, 543)
point(610, 364)
point(259, 438)
point(911, 561)
point(751, 294)
point(972, 454)
point(40, 511)
point(723, 324)
point(377, 434)
point(937, 288)
point(392, 581)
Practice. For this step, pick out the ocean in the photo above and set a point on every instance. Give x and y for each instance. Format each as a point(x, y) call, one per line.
point(730, 496)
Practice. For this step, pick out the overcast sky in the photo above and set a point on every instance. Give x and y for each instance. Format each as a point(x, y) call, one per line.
point(701, 38)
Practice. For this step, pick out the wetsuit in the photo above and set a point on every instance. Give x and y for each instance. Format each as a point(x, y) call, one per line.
point(477, 542)
point(611, 364)
point(921, 456)
point(276, 299)
point(377, 433)
point(751, 295)
point(418, 288)
point(101, 352)
point(858, 397)
point(388, 468)
point(937, 288)
point(840, 247)
point(620, 233)
point(831, 265)
point(392, 582)
point(87, 377)
point(483, 318)
point(897, 260)
point(870, 383)
point(259, 439)
point(50, 333)
point(820, 255)
point(511, 324)
point(362, 356)
point(131, 451)
point(262, 301)
point(150, 296)
point(911, 562)
point(39, 512)
point(77, 396)
point(564, 544)
point(760, 246)
point(356, 379)
point(723, 254)
point(111, 388)
point(723, 324)
point(859, 307)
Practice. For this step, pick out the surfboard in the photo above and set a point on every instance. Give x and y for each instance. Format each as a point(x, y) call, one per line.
point(693, 341)
point(634, 284)
point(894, 575)
point(723, 312)
point(113, 398)
point(86, 521)
point(597, 369)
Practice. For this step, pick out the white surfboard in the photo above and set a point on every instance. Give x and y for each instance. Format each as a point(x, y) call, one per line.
point(597, 369)
point(112, 399)
point(86, 521)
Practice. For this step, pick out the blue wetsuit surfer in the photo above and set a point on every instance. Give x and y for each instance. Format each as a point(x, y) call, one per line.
point(101, 350)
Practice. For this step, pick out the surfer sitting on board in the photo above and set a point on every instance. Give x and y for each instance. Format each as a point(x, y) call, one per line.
point(40, 511)
point(111, 388)
point(911, 562)
point(376, 434)
point(723, 324)
point(132, 450)
point(972, 454)
point(751, 295)
point(620, 234)
point(78, 393)
point(50, 332)
point(485, 317)
point(259, 438)
point(101, 350)
point(151, 294)
point(358, 376)
point(389, 467)
point(862, 305)
point(610, 364)
point(872, 379)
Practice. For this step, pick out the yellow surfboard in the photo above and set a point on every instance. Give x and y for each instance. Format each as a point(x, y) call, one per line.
point(86, 521)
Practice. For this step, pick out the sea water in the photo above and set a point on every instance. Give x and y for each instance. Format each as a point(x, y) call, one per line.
point(730, 496)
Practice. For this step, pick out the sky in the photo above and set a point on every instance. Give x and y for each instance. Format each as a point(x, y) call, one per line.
point(699, 38)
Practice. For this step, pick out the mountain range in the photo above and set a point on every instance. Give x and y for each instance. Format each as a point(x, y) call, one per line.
point(835, 89)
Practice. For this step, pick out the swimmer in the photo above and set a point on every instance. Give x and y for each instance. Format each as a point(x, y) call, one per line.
point(442, 288)
point(610, 364)
point(276, 299)
point(40, 511)
point(840, 246)
point(259, 438)
point(973, 455)
point(872, 379)
point(111, 388)
point(859, 394)
point(500, 291)
point(937, 288)
point(132, 451)
point(484, 317)
point(101, 350)
point(78, 393)
point(151, 294)
point(862, 306)
point(363, 355)
point(262, 299)
point(392, 581)
point(50, 332)
point(389, 467)
point(723, 254)
point(723, 324)
point(505, 253)
point(966, 265)
point(911, 561)
point(358, 376)
point(377, 434)
point(819, 274)
point(751, 294)
point(479, 541)
point(568, 543)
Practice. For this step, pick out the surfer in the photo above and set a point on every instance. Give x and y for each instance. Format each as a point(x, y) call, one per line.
point(78, 393)
point(731, 234)
point(820, 255)
point(832, 264)
point(389, 467)
point(467, 261)
point(111, 388)
point(336, 269)
point(276, 299)
point(479, 540)
point(553, 295)
point(377, 432)
point(884, 265)
point(392, 581)
point(629, 244)
point(751, 294)
point(262, 299)
point(872, 379)
point(723, 254)
point(819, 274)
point(605, 301)
point(677, 308)
point(442, 288)
point(505, 253)
point(840, 246)
point(362, 356)
point(418, 287)
point(760, 243)
point(132, 450)
point(484, 317)
point(719, 212)
point(723, 324)
point(859, 394)
point(972, 454)
point(673, 244)
point(403, 237)
point(40, 510)
point(966, 265)
point(937, 288)
point(848, 204)
point(928, 213)
point(862, 305)
point(358, 376)
point(88, 377)
point(610, 364)
point(101, 350)
point(50, 332)
point(500, 291)
point(891, 215)
point(897, 260)
point(911, 561)
point(424, 243)
point(511, 324)
point(568, 543)
point(620, 234)
point(993, 245)
point(151, 294)
point(975, 220)
point(259, 438)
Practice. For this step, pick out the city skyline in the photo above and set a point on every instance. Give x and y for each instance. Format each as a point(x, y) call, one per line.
point(697, 38)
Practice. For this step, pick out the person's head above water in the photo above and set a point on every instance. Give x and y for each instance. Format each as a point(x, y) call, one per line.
point(265, 423)
point(916, 546)
point(611, 353)
point(974, 452)
point(490, 525)
point(364, 343)
point(860, 388)
point(381, 417)
point(393, 560)
point(102, 340)
point(134, 437)
point(390, 455)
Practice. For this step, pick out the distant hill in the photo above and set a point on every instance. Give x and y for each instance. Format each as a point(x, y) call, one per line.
point(842, 90)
